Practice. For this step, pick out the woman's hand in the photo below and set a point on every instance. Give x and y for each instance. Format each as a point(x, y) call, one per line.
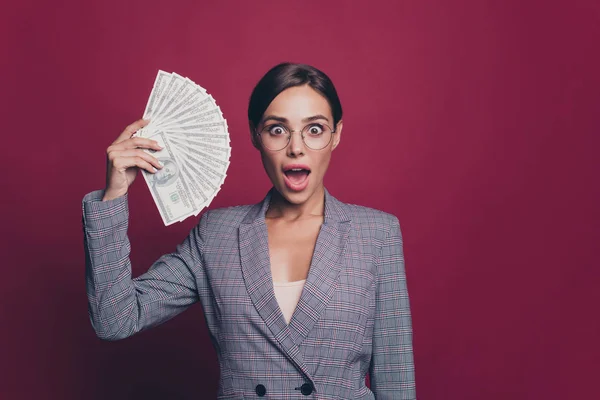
point(124, 157)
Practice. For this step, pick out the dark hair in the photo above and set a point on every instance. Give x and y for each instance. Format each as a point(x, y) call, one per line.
point(284, 76)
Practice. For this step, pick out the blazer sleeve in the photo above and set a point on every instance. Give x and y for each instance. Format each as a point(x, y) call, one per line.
point(118, 305)
point(391, 371)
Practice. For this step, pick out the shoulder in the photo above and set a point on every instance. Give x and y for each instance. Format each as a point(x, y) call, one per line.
point(225, 218)
point(359, 214)
point(368, 215)
point(371, 222)
point(375, 229)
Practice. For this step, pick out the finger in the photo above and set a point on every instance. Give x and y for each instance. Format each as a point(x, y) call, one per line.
point(123, 163)
point(142, 154)
point(131, 129)
point(135, 143)
point(116, 157)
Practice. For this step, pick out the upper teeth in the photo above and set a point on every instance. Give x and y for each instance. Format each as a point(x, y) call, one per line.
point(296, 169)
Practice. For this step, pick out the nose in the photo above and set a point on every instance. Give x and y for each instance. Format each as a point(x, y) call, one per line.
point(296, 145)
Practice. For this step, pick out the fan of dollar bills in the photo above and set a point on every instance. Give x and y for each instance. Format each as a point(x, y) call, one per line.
point(189, 126)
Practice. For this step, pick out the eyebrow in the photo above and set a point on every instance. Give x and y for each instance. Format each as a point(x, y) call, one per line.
point(285, 120)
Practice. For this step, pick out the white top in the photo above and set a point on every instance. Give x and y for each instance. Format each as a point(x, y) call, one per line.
point(288, 294)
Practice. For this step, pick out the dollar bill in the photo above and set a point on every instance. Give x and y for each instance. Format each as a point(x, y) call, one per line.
point(221, 152)
point(187, 122)
point(196, 100)
point(160, 84)
point(168, 187)
point(173, 95)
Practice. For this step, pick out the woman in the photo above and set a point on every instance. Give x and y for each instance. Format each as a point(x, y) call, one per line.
point(302, 294)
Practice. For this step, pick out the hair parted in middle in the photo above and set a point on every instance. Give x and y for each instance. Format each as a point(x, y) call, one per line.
point(286, 75)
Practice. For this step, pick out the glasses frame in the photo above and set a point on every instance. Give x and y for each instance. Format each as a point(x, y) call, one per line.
point(291, 131)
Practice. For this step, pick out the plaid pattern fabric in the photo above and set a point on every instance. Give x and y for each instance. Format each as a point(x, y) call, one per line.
point(353, 315)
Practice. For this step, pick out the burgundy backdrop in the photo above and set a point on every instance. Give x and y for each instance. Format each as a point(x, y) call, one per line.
point(475, 122)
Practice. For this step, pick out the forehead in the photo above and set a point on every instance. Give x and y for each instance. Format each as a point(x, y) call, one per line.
point(299, 102)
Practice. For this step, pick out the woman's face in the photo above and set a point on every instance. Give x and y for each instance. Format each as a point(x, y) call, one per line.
point(292, 108)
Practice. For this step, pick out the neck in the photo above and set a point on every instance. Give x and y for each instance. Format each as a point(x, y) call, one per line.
point(280, 207)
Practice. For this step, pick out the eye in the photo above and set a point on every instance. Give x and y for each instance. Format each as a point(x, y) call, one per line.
point(315, 130)
point(275, 130)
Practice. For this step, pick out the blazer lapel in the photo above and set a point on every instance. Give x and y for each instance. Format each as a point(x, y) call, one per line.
point(320, 284)
point(256, 269)
point(325, 266)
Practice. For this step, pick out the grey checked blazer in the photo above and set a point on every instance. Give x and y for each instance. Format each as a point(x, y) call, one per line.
point(353, 315)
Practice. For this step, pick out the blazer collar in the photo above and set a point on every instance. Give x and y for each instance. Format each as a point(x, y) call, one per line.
point(320, 284)
point(335, 210)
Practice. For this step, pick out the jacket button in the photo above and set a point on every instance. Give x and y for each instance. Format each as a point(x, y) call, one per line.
point(261, 390)
point(306, 389)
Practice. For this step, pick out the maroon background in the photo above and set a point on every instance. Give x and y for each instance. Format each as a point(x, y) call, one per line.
point(475, 122)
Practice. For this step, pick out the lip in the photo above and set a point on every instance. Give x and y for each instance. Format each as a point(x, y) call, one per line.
point(293, 187)
point(290, 185)
point(296, 166)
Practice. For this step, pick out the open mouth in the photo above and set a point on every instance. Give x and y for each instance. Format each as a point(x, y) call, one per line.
point(297, 175)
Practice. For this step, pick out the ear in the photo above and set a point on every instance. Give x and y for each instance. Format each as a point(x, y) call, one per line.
point(338, 135)
point(253, 136)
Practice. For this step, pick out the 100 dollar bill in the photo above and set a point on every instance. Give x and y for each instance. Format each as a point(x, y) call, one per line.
point(168, 186)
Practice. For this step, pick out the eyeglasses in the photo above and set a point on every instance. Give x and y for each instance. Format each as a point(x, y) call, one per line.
point(316, 136)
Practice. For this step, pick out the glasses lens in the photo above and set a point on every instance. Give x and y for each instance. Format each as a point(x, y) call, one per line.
point(316, 136)
point(274, 137)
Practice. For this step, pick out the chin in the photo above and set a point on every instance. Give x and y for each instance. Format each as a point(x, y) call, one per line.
point(297, 198)
point(294, 197)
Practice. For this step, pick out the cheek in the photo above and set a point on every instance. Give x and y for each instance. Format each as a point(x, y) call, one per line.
point(269, 162)
point(323, 163)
